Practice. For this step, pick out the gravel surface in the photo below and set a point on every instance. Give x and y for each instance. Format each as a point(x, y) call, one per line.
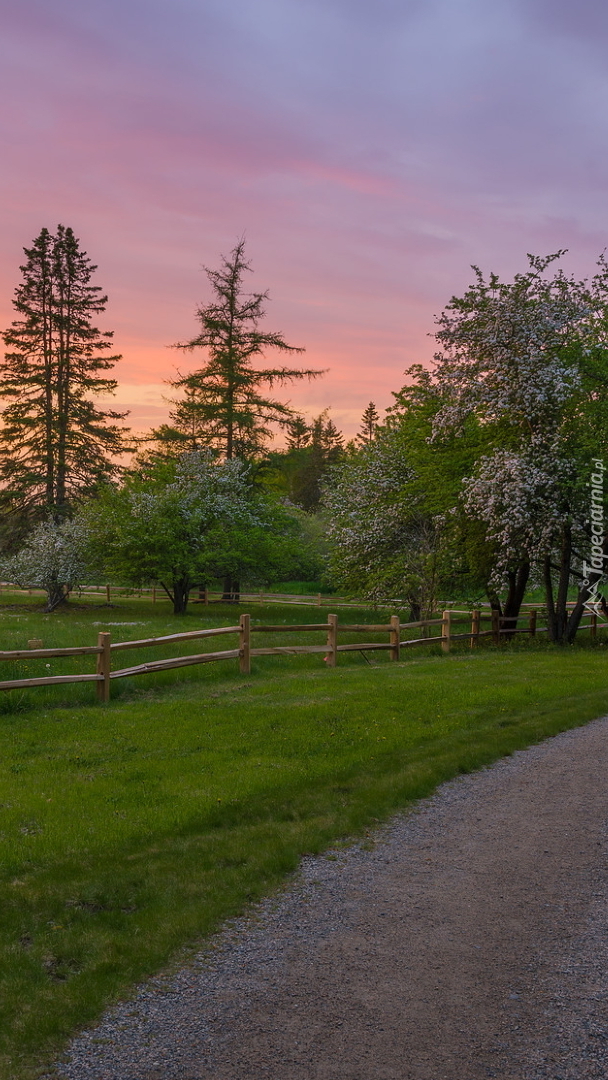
point(471, 941)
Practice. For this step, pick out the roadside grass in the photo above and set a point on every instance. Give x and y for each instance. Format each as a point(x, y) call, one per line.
point(129, 832)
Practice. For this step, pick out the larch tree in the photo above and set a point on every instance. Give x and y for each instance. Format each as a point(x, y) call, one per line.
point(224, 406)
point(56, 443)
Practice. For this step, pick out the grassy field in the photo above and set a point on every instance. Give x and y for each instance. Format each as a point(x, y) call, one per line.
point(132, 618)
point(130, 831)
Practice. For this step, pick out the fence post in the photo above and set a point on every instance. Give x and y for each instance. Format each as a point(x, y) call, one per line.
point(593, 625)
point(495, 627)
point(245, 644)
point(475, 623)
point(532, 624)
point(395, 636)
point(107, 594)
point(446, 631)
point(332, 640)
point(104, 663)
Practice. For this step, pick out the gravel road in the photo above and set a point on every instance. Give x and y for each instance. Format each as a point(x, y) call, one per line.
point(470, 942)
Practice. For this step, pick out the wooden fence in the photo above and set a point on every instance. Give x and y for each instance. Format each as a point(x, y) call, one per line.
point(202, 596)
point(248, 596)
point(105, 650)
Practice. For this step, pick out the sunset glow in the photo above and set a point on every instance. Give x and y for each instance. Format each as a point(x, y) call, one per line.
point(369, 153)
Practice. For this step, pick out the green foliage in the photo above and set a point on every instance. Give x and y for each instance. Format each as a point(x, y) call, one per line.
point(392, 530)
point(192, 519)
point(369, 424)
point(479, 476)
point(528, 361)
point(311, 452)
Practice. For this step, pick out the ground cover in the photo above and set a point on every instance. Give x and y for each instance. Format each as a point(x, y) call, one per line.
point(130, 830)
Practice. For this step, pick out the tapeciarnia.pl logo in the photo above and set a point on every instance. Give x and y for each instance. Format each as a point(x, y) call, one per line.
point(595, 569)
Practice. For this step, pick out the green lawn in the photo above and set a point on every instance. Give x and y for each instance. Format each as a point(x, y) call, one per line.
point(131, 830)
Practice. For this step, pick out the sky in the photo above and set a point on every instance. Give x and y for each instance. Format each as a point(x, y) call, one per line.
point(370, 151)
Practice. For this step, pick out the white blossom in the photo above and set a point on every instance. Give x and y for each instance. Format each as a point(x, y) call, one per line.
point(53, 558)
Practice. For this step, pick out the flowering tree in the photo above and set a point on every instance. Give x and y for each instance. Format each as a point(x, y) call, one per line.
point(515, 354)
point(163, 524)
point(527, 360)
point(53, 558)
point(531, 506)
point(189, 520)
point(395, 527)
point(382, 541)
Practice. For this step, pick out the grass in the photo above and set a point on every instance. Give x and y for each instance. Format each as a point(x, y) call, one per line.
point(130, 831)
point(300, 588)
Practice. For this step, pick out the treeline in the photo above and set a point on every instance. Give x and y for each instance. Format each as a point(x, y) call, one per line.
point(476, 483)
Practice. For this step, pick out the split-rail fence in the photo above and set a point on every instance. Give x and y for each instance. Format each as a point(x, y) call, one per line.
point(106, 650)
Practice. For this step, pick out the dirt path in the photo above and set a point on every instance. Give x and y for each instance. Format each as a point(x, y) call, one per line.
point(470, 942)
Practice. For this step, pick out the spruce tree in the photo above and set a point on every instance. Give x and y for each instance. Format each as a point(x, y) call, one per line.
point(325, 450)
point(369, 424)
point(56, 443)
point(224, 405)
point(298, 433)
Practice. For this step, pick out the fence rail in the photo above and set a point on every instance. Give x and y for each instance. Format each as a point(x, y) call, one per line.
point(202, 596)
point(209, 596)
point(105, 649)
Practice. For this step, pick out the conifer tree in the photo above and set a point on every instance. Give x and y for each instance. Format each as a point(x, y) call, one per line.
point(369, 424)
point(224, 406)
point(326, 448)
point(56, 443)
point(298, 433)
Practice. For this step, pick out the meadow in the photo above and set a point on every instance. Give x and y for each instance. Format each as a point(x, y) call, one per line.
point(130, 831)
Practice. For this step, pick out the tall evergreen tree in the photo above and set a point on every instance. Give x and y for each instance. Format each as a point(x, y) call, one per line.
point(224, 406)
point(56, 444)
point(369, 425)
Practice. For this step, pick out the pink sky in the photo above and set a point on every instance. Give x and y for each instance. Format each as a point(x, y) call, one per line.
point(369, 152)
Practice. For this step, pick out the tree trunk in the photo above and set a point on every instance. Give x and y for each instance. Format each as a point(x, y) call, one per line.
point(576, 615)
point(232, 589)
point(415, 609)
point(518, 580)
point(495, 603)
point(56, 595)
point(180, 595)
point(565, 567)
point(586, 593)
point(562, 629)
